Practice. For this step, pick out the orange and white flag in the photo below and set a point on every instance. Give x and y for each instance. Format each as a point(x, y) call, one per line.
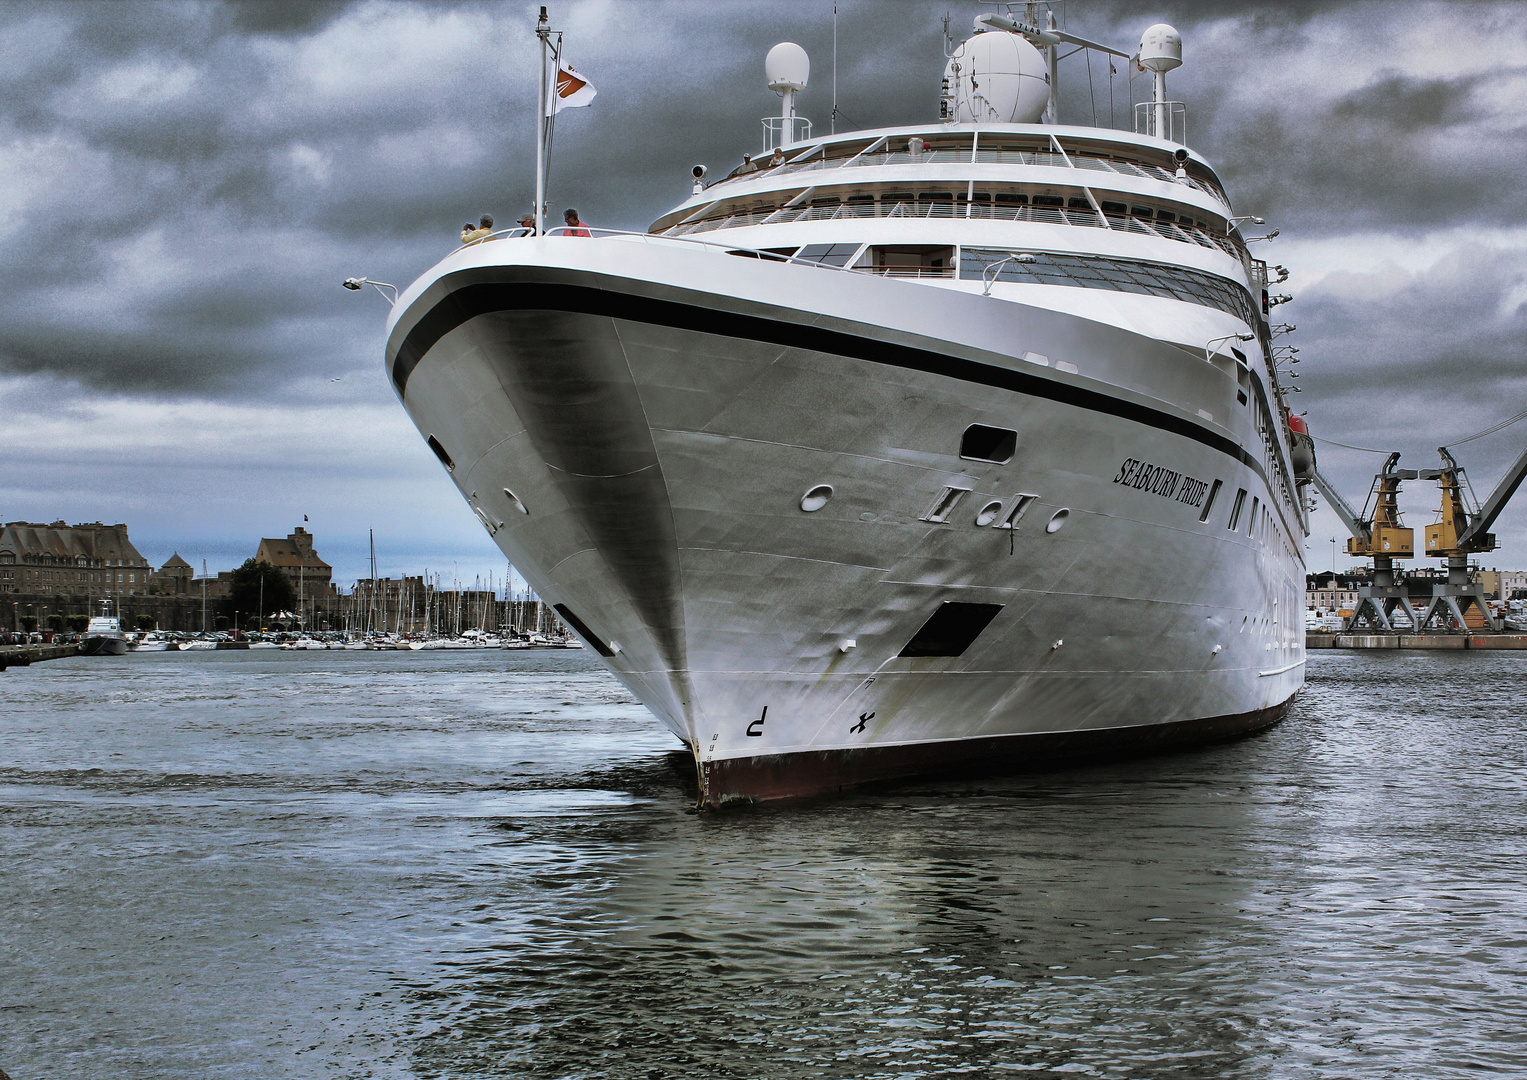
point(571, 92)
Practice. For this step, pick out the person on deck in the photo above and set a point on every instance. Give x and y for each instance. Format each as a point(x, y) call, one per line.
point(470, 235)
point(575, 225)
point(778, 159)
point(747, 166)
point(528, 222)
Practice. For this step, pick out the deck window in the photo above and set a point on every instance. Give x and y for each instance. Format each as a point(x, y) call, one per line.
point(445, 459)
point(1209, 502)
point(912, 260)
point(1119, 275)
point(1235, 510)
point(828, 254)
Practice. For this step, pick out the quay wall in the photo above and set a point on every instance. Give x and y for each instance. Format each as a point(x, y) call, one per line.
point(171, 612)
point(1415, 641)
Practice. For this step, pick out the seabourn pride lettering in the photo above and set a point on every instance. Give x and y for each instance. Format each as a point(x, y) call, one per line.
point(1162, 481)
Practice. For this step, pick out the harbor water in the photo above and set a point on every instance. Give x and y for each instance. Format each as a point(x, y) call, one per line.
point(482, 864)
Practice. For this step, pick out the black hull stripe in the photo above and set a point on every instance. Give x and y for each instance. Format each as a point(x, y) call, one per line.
point(470, 301)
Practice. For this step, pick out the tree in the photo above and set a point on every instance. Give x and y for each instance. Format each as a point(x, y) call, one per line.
point(29, 623)
point(244, 590)
point(147, 622)
point(77, 623)
point(55, 623)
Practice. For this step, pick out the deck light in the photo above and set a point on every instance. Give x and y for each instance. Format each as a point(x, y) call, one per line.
point(356, 284)
point(1209, 348)
point(989, 275)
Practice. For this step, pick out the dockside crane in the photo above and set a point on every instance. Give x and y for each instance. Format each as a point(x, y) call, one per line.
point(1461, 530)
point(1380, 536)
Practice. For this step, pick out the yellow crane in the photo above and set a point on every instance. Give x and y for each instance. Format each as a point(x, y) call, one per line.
point(1461, 530)
point(1379, 534)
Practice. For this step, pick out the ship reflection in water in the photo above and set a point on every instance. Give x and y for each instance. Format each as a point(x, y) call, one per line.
point(464, 865)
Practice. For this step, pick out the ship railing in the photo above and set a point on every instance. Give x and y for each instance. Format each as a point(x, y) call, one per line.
point(589, 231)
point(954, 211)
point(926, 272)
point(1041, 158)
point(947, 272)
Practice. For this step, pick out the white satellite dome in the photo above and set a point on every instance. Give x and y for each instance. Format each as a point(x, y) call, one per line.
point(1160, 48)
point(787, 67)
point(1001, 79)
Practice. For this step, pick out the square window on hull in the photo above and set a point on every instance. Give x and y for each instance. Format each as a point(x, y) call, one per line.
point(951, 629)
point(581, 629)
point(982, 443)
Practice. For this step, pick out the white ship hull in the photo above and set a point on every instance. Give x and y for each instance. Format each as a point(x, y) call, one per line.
point(659, 410)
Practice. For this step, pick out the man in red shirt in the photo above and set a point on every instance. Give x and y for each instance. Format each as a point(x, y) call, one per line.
point(575, 227)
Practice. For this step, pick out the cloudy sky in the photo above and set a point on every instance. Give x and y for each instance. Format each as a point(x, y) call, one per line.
point(184, 185)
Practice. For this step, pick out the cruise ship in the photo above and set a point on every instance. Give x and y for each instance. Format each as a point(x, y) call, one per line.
point(951, 446)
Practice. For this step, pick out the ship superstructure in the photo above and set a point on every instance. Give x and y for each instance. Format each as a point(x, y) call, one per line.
point(921, 447)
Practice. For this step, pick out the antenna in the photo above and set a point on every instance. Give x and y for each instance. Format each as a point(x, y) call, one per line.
point(832, 121)
point(1160, 52)
point(787, 68)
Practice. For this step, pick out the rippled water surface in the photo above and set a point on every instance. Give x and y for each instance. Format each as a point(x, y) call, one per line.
point(480, 865)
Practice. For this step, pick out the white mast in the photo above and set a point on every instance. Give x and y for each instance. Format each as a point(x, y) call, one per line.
point(1052, 61)
point(543, 31)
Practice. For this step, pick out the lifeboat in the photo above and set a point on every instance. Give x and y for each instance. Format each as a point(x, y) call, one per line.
point(1302, 445)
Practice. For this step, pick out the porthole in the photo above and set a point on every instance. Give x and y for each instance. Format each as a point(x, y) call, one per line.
point(816, 498)
point(1057, 520)
point(989, 512)
point(514, 501)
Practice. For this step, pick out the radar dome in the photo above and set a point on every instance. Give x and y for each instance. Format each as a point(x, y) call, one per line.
point(787, 67)
point(999, 78)
point(1160, 48)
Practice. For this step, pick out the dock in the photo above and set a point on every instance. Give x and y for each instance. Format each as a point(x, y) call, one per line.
point(1415, 641)
point(23, 655)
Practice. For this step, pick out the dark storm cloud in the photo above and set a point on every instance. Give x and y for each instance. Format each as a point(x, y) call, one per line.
point(193, 179)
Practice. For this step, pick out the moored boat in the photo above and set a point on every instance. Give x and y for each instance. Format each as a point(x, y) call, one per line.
point(103, 635)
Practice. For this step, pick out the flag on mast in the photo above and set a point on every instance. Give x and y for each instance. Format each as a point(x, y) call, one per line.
point(572, 91)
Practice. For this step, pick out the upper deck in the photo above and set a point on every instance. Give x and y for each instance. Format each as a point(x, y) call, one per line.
point(1021, 173)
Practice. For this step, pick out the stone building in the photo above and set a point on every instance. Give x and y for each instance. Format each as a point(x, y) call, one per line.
point(173, 578)
point(94, 559)
point(295, 557)
point(57, 571)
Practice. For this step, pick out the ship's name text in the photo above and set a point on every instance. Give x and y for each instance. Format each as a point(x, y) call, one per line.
point(1159, 480)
